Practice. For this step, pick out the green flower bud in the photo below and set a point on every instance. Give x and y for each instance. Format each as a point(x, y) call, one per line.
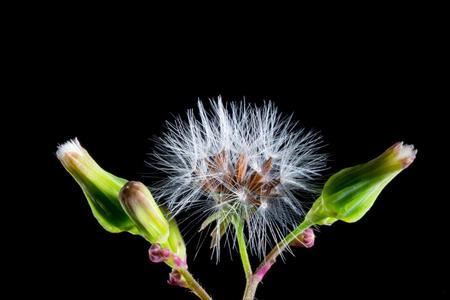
point(350, 193)
point(100, 187)
point(140, 206)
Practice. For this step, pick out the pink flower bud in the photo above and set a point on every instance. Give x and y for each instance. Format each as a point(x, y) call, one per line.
point(179, 261)
point(165, 254)
point(305, 239)
point(176, 279)
point(158, 254)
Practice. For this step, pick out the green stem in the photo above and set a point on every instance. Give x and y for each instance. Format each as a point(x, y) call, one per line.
point(243, 249)
point(254, 280)
point(193, 285)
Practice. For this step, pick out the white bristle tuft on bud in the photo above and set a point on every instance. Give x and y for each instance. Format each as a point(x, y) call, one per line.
point(406, 154)
point(71, 146)
point(239, 160)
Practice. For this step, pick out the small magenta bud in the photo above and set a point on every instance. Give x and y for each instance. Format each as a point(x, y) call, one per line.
point(179, 262)
point(158, 254)
point(176, 279)
point(153, 253)
point(154, 249)
point(305, 239)
point(165, 254)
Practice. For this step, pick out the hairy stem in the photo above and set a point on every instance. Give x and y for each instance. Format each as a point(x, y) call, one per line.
point(193, 285)
point(254, 280)
point(250, 288)
point(281, 246)
point(243, 249)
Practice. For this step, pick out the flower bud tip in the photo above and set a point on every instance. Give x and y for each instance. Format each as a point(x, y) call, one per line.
point(405, 153)
point(71, 146)
point(132, 189)
point(140, 206)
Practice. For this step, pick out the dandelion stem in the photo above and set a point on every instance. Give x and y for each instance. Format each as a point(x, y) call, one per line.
point(250, 288)
point(243, 249)
point(254, 280)
point(193, 285)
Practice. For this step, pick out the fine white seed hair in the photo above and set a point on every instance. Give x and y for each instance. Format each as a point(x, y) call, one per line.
point(279, 163)
point(71, 146)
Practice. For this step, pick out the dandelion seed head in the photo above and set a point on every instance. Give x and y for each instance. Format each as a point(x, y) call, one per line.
point(238, 160)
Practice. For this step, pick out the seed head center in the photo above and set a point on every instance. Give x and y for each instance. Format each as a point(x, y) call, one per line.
point(230, 179)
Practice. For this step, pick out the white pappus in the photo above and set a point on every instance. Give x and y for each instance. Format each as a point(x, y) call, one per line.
point(238, 162)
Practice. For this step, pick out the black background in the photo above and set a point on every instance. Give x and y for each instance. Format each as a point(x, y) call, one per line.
point(362, 88)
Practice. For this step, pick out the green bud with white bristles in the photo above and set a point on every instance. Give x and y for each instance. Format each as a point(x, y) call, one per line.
point(100, 187)
point(350, 193)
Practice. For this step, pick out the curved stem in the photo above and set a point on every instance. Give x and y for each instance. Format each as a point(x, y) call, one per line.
point(193, 285)
point(269, 260)
point(243, 249)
